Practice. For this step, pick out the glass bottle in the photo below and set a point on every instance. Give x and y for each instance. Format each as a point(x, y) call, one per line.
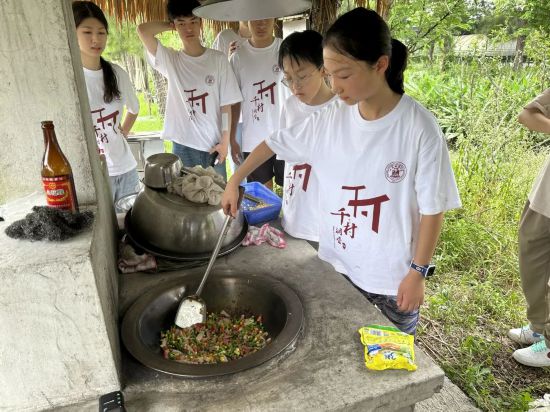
point(57, 175)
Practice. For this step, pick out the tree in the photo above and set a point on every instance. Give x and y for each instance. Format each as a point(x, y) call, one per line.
point(421, 24)
point(528, 21)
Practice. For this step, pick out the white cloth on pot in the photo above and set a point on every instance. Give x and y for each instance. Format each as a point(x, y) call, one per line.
point(199, 186)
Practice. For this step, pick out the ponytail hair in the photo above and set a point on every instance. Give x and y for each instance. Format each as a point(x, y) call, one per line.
point(397, 67)
point(86, 9)
point(110, 82)
point(362, 34)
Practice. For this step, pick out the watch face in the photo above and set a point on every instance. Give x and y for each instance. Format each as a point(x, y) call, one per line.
point(430, 271)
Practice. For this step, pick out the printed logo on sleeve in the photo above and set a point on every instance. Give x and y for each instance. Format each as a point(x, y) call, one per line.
point(395, 172)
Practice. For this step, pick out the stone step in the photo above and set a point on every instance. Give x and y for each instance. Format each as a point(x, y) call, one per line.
point(449, 398)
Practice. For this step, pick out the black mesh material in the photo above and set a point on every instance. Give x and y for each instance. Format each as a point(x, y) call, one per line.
point(50, 223)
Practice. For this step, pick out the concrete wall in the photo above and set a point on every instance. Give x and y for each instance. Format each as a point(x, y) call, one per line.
point(38, 82)
point(59, 301)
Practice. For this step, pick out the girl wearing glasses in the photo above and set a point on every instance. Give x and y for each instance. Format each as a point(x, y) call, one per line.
point(385, 178)
point(301, 57)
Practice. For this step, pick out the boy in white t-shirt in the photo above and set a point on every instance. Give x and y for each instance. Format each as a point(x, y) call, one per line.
point(228, 40)
point(301, 57)
point(255, 63)
point(385, 177)
point(201, 88)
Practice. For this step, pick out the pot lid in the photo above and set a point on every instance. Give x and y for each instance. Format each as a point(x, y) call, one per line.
point(235, 10)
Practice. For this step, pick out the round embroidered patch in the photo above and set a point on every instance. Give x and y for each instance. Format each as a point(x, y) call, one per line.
point(209, 80)
point(395, 172)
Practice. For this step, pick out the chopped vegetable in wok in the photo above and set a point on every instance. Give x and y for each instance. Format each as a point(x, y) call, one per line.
point(220, 339)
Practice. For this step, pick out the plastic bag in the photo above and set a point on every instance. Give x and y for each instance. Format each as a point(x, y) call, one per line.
point(387, 348)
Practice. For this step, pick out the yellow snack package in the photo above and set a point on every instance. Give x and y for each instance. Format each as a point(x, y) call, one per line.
point(387, 348)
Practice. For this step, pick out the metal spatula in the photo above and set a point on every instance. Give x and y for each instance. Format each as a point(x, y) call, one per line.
point(192, 308)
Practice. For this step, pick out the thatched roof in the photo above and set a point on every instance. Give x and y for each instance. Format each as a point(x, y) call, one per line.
point(148, 10)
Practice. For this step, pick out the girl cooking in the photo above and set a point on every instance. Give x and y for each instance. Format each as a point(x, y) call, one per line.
point(382, 165)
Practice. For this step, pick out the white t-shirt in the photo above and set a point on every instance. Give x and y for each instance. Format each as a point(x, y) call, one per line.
point(259, 77)
point(106, 119)
point(197, 88)
point(301, 188)
point(224, 39)
point(376, 179)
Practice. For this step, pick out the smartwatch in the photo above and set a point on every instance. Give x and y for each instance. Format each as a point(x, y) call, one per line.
point(426, 271)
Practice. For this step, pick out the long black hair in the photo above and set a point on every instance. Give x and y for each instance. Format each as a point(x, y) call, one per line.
point(363, 35)
point(302, 46)
point(81, 11)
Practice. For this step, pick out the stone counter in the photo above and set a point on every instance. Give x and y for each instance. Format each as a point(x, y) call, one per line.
point(325, 371)
point(58, 301)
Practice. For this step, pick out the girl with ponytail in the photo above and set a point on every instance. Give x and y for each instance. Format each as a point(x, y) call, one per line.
point(109, 92)
point(385, 178)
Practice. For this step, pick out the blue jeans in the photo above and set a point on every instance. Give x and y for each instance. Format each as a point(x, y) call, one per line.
point(404, 321)
point(193, 157)
point(124, 184)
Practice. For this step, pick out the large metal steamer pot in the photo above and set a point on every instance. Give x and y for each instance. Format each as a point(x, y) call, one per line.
point(173, 224)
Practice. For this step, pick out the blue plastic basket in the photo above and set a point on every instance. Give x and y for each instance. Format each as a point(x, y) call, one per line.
point(264, 214)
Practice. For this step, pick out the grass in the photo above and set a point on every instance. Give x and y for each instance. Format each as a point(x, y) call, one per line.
point(149, 119)
point(476, 295)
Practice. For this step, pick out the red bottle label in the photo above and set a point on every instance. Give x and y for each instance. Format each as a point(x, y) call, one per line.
point(59, 192)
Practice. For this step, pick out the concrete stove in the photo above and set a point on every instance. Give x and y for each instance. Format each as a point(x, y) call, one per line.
point(325, 369)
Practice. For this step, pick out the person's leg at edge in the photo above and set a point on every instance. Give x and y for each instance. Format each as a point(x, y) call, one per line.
point(534, 267)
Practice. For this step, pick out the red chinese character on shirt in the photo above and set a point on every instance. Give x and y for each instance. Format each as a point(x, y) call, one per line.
point(374, 201)
point(342, 213)
point(307, 171)
point(104, 120)
point(199, 101)
point(262, 91)
point(258, 100)
point(350, 229)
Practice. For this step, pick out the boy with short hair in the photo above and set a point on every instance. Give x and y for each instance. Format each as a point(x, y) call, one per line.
point(201, 88)
point(255, 63)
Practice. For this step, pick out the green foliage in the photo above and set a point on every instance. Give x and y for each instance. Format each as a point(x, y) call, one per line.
point(122, 40)
point(477, 295)
point(149, 119)
point(420, 24)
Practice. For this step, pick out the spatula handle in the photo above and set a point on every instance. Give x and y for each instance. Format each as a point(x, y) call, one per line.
point(217, 248)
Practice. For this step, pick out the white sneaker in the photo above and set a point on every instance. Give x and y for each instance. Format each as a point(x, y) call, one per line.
point(538, 355)
point(524, 335)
